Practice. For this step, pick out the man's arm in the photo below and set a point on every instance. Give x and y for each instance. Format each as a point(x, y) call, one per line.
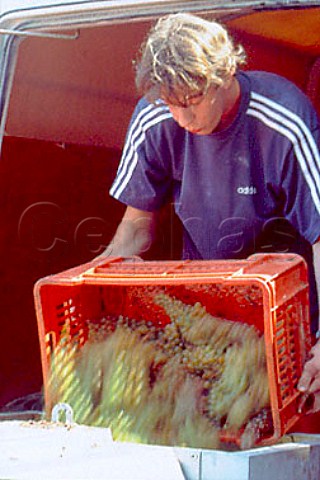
point(316, 260)
point(310, 378)
point(134, 236)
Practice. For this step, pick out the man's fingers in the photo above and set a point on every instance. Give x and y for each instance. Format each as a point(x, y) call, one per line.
point(309, 383)
point(315, 385)
point(316, 404)
point(133, 259)
point(307, 377)
point(309, 403)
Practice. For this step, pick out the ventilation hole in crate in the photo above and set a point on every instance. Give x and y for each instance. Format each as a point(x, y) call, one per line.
point(51, 342)
point(279, 329)
point(69, 323)
point(282, 368)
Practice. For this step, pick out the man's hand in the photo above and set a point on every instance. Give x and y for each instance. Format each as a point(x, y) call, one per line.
point(134, 235)
point(309, 383)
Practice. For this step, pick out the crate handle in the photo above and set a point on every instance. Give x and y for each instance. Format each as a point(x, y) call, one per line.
point(60, 408)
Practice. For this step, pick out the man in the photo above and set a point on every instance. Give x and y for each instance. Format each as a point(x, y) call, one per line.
point(236, 151)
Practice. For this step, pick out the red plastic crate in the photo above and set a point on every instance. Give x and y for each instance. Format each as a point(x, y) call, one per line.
point(269, 291)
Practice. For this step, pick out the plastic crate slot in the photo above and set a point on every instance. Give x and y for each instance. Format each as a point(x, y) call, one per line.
point(281, 336)
point(280, 330)
point(50, 340)
point(282, 352)
point(281, 340)
point(285, 390)
point(283, 379)
point(283, 367)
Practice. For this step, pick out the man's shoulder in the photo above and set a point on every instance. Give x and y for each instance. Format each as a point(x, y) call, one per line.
point(148, 117)
point(144, 107)
point(268, 80)
point(278, 89)
point(150, 124)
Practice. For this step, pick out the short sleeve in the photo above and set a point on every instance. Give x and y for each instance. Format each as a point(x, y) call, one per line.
point(143, 179)
point(301, 183)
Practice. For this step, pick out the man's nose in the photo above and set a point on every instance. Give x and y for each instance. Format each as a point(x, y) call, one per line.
point(184, 117)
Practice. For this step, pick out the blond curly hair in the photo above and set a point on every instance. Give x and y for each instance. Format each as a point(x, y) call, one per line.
point(183, 56)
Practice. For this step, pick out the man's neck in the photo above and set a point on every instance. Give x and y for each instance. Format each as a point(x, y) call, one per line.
point(232, 102)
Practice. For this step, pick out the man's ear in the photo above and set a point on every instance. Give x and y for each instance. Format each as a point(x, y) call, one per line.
point(229, 79)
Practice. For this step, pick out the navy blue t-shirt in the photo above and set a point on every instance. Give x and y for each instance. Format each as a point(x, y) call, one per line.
point(254, 186)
